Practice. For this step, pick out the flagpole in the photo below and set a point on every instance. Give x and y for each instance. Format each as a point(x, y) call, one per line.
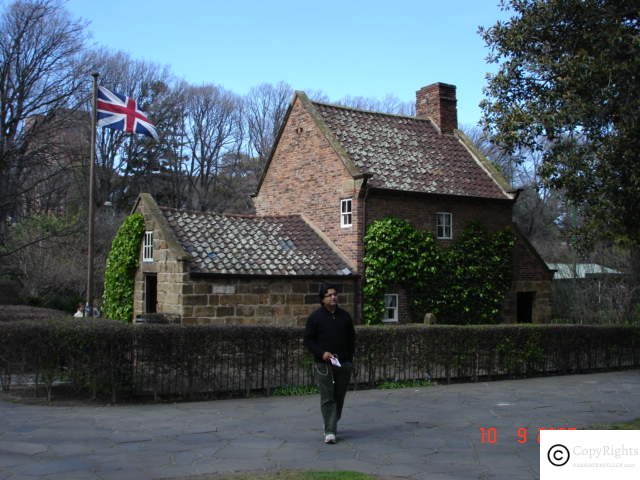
point(89, 300)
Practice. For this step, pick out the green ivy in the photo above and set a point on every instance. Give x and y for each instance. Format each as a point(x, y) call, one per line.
point(479, 275)
point(396, 253)
point(462, 284)
point(119, 275)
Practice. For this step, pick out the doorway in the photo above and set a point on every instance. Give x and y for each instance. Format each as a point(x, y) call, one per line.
point(525, 301)
point(150, 293)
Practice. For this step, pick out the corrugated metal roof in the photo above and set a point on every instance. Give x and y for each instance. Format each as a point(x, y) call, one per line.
point(567, 271)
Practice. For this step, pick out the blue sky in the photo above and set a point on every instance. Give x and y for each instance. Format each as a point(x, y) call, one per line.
point(340, 47)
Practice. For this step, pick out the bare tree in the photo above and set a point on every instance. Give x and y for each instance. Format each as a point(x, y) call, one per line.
point(212, 129)
point(168, 159)
point(124, 161)
point(390, 104)
point(264, 109)
point(39, 75)
point(539, 210)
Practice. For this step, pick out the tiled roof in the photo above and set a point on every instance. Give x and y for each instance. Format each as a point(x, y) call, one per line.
point(407, 153)
point(250, 245)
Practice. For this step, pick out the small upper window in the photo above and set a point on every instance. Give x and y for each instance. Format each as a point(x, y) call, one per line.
point(390, 307)
point(444, 225)
point(147, 247)
point(345, 213)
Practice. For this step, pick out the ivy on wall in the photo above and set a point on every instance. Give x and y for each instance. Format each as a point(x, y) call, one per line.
point(462, 284)
point(122, 262)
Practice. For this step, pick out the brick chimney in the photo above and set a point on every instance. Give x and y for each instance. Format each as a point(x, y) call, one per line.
point(438, 102)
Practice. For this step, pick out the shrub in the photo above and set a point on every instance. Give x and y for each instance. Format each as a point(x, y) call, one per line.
point(122, 262)
point(462, 284)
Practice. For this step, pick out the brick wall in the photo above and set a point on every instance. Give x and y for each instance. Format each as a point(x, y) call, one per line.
point(529, 271)
point(420, 210)
point(530, 274)
point(438, 102)
point(306, 176)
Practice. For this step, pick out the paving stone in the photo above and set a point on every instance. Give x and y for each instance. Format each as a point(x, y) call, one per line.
point(51, 466)
point(429, 433)
point(81, 475)
point(22, 448)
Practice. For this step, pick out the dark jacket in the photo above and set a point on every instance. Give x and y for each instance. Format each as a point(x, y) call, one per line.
point(330, 332)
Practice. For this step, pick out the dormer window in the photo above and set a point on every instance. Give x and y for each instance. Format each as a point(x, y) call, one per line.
point(345, 213)
point(444, 229)
point(147, 247)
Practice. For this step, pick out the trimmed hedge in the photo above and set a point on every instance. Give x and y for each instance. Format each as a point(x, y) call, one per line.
point(114, 360)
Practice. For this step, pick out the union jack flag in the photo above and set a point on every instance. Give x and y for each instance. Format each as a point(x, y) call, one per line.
point(118, 112)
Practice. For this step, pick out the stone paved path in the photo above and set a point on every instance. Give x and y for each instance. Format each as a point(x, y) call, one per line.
point(427, 433)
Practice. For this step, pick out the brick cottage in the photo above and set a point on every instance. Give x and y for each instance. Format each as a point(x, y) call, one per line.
point(333, 170)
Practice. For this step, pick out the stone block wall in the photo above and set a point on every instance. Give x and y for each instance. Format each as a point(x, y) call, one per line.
point(541, 307)
point(169, 268)
point(257, 301)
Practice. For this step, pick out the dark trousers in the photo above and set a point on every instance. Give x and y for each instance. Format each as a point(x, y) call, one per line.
point(333, 384)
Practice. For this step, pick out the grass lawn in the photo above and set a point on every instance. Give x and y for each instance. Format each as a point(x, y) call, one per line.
point(632, 425)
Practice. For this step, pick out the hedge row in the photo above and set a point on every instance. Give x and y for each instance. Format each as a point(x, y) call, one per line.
point(101, 357)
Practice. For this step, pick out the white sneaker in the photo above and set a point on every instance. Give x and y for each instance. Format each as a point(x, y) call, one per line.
point(330, 438)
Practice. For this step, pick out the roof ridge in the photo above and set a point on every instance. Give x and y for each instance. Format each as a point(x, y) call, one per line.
point(207, 212)
point(371, 112)
point(234, 215)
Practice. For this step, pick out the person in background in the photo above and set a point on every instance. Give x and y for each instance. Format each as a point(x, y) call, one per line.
point(91, 310)
point(96, 310)
point(330, 337)
point(80, 311)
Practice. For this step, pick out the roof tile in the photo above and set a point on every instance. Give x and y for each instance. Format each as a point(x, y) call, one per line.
point(251, 245)
point(407, 153)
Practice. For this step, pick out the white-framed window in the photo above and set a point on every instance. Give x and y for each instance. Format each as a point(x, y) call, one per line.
point(346, 218)
point(147, 247)
point(390, 307)
point(444, 225)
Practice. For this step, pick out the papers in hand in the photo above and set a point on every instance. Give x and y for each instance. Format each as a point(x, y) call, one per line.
point(335, 362)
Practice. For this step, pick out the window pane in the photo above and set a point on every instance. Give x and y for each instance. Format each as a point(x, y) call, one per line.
point(391, 307)
point(443, 225)
point(147, 247)
point(345, 212)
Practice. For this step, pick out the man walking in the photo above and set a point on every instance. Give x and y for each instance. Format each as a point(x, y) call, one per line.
point(330, 336)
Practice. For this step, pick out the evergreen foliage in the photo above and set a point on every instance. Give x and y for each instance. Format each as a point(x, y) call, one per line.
point(122, 262)
point(463, 284)
point(567, 87)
